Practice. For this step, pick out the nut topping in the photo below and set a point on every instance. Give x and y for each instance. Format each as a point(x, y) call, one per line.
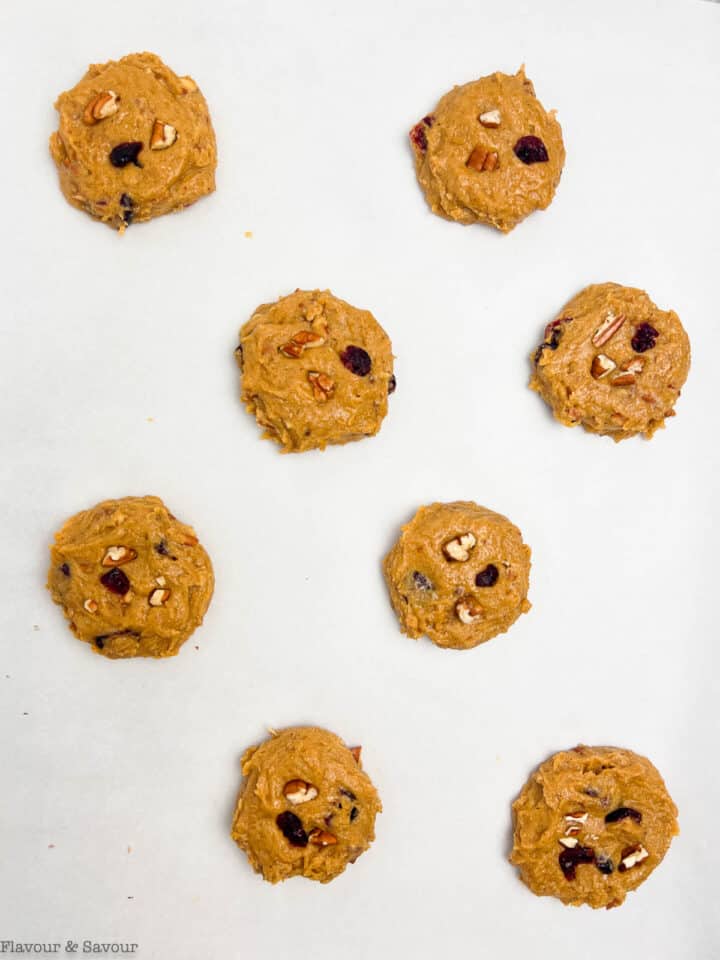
point(160, 581)
point(468, 611)
point(491, 119)
point(482, 160)
point(569, 842)
point(321, 838)
point(607, 329)
point(633, 366)
point(299, 791)
point(101, 107)
point(115, 556)
point(578, 817)
point(601, 366)
point(631, 856)
point(302, 340)
point(459, 548)
point(623, 380)
point(322, 386)
point(91, 606)
point(355, 751)
point(158, 597)
point(163, 135)
point(188, 84)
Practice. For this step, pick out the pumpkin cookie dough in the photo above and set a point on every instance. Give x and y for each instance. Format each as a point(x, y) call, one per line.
point(591, 824)
point(489, 152)
point(459, 574)
point(132, 579)
point(613, 362)
point(306, 807)
point(315, 370)
point(134, 141)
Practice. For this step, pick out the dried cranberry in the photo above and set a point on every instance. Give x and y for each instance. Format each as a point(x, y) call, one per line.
point(126, 202)
point(357, 361)
point(347, 793)
point(603, 863)
point(569, 859)
point(100, 642)
point(353, 813)
point(418, 137)
point(392, 383)
point(292, 828)
point(421, 581)
point(644, 338)
point(531, 150)
point(115, 581)
point(429, 120)
point(623, 813)
point(125, 153)
point(64, 568)
point(487, 577)
point(553, 335)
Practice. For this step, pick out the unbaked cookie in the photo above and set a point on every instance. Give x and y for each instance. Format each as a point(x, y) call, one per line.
point(613, 362)
point(459, 574)
point(591, 824)
point(134, 141)
point(132, 579)
point(489, 152)
point(315, 370)
point(306, 807)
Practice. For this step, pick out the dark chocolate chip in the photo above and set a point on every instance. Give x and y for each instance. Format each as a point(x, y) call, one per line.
point(622, 813)
point(487, 577)
point(126, 202)
point(100, 642)
point(531, 150)
point(64, 568)
point(570, 859)
point(353, 813)
point(115, 581)
point(421, 582)
point(392, 384)
point(292, 828)
point(162, 549)
point(357, 361)
point(603, 863)
point(125, 153)
point(644, 338)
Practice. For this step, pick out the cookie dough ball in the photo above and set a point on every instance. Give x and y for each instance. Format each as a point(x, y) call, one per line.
point(306, 807)
point(613, 362)
point(134, 141)
point(592, 824)
point(132, 579)
point(459, 574)
point(489, 152)
point(315, 370)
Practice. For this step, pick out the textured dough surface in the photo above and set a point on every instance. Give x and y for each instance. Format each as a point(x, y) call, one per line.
point(444, 141)
point(430, 590)
point(278, 388)
point(569, 797)
point(161, 556)
point(344, 807)
point(563, 364)
point(168, 179)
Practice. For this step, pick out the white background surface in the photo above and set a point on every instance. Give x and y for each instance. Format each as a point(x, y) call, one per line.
point(311, 104)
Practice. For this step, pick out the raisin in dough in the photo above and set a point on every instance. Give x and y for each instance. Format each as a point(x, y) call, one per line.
point(306, 807)
point(613, 362)
point(459, 574)
point(134, 141)
point(315, 370)
point(489, 152)
point(132, 579)
point(591, 824)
